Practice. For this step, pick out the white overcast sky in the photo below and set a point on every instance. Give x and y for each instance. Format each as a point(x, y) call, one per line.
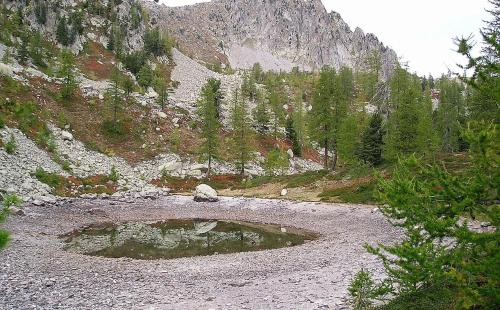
point(421, 32)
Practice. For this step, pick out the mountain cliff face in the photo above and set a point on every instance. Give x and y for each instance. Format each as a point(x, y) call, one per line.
point(280, 34)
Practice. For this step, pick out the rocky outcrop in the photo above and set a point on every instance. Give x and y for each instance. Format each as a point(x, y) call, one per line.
point(278, 34)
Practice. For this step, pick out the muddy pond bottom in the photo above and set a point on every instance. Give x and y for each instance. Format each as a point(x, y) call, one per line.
point(181, 238)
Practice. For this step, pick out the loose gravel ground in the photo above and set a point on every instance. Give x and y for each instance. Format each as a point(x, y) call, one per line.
point(35, 271)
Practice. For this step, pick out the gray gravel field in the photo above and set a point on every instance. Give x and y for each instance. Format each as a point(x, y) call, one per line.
point(35, 271)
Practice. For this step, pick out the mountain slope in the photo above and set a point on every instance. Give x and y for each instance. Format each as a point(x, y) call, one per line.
point(278, 34)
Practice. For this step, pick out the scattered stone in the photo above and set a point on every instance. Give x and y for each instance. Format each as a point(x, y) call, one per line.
point(204, 192)
point(284, 192)
point(67, 136)
point(38, 203)
point(16, 211)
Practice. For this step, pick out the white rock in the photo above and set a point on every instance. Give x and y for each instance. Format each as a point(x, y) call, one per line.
point(195, 173)
point(204, 192)
point(162, 115)
point(151, 93)
point(67, 136)
point(290, 153)
point(170, 166)
point(284, 192)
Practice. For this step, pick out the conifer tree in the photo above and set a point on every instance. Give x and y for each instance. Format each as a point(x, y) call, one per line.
point(350, 134)
point(207, 111)
point(427, 139)
point(241, 130)
point(451, 106)
point(261, 115)
point(128, 86)
point(22, 52)
point(321, 129)
point(36, 50)
point(276, 106)
point(62, 32)
point(299, 120)
point(114, 95)
point(257, 72)
point(145, 76)
point(161, 88)
point(249, 88)
point(342, 98)
point(291, 135)
point(370, 149)
point(402, 125)
point(67, 73)
point(215, 85)
point(485, 82)
point(41, 12)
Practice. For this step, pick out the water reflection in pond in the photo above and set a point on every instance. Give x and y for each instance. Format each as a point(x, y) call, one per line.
point(180, 238)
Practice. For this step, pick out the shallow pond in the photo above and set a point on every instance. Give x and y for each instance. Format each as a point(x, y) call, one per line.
point(180, 238)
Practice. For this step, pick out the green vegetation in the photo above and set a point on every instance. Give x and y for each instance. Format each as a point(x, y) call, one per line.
point(114, 175)
point(67, 73)
point(363, 290)
point(241, 131)
point(73, 186)
point(9, 200)
point(276, 162)
point(370, 148)
point(365, 193)
point(207, 111)
point(51, 179)
point(10, 146)
point(157, 44)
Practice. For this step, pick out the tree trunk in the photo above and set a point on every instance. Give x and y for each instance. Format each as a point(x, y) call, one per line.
point(335, 154)
point(209, 166)
point(326, 154)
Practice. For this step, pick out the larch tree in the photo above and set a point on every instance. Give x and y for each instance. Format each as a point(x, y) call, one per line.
point(277, 114)
point(451, 106)
point(161, 88)
point(484, 81)
point(291, 134)
point(67, 73)
point(114, 95)
point(402, 124)
point(427, 139)
point(215, 85)
point(240, 122)
point(62, 32)
point(299, 120)
point(261, 114)
point(321, 116)
point(342, 99)
point(207, 111)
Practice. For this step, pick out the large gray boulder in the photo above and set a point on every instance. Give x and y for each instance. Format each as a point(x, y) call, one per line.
point(204, 192)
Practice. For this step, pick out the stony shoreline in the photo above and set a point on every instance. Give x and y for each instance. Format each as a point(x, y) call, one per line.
point(36, 273)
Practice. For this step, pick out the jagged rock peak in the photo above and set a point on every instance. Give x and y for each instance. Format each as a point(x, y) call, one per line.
point(280, 34)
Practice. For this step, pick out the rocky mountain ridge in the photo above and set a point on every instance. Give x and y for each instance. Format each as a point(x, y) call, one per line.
point(278, 34)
